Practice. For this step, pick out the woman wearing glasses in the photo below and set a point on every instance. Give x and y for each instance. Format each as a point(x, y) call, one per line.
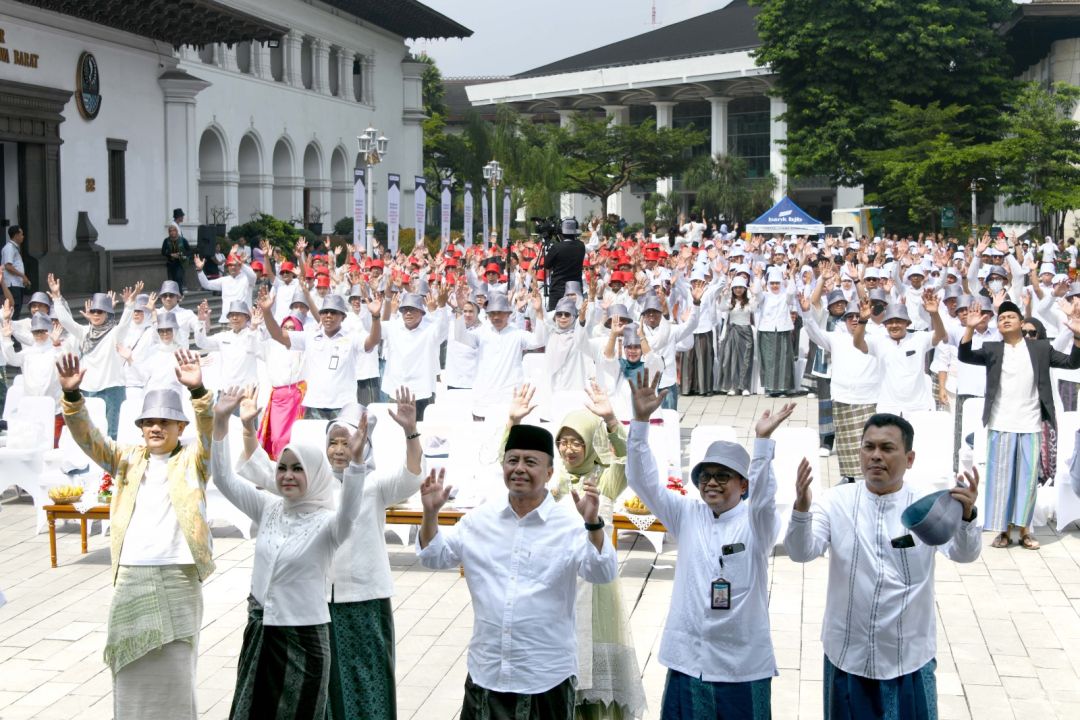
point(592, 447)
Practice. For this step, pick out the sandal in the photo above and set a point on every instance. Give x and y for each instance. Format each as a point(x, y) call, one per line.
point(1028, 542)
point(1002, 541)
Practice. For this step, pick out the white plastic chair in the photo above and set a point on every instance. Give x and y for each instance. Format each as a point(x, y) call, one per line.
point(933, 448)
point(30, 437)
point(14, 395)
point(1068, 503)
point(218, 508)
point(792, 445)
point(309, 432)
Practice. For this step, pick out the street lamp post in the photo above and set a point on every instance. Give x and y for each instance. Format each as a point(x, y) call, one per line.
point(975, 210)
point(493, 174)
point(373, 147)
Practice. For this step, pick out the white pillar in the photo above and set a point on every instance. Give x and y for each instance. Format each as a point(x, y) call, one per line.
point(619, 115)
point(320, 66)
point(345, 88)
point(226, 57)
point(665, 111)
point(293, 42)
point(188, 53)
point(719, 105)
point(260, 61)
point(777, 134)
point(181, 145)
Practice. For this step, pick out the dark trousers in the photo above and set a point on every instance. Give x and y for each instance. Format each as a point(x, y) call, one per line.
point(17, 300)
point(483, 704)
point(176, 274)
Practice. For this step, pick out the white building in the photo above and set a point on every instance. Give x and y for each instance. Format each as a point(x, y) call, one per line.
point(126, 109)
point(698, 71)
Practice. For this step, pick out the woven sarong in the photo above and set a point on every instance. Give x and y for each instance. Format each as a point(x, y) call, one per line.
point(159, 685)
point(1012, 479)
point(826, 428)
point(690, 698)
point(697, 366)
point(482, 704)
point(1047, 453)
point(737, 359)
point(362, 661)
point(283, 672)
point(958, 427)
point(849, 421)
point(152, 606)
point(1068, 390)
point(777, 361)
point(908, 697)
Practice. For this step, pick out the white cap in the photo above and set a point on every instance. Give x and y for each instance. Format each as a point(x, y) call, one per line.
point(958, 255)
point(775, 275)
point(871, 273)
point(914, 270)
point(1046, 268)
point(1059, 278)
point(739, 282)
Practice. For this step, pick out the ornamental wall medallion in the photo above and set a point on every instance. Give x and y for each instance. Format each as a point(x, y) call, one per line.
point(87, 86)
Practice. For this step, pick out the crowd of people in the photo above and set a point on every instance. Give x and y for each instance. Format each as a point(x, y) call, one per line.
point(877, 328)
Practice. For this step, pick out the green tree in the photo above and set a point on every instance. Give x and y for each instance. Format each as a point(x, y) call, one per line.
point(928, 162)
point(1040, 154)
point(598, 158)
point(840, 63)
point(722, 187)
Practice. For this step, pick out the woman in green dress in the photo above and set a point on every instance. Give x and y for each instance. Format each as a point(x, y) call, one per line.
point(592, 444)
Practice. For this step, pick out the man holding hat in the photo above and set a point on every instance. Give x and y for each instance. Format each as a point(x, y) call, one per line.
point(879, 625)
point(1018, 399)
point(330, 353)
point(161, 544)
point(716, 643)
point(522, 557)
point(905, 386)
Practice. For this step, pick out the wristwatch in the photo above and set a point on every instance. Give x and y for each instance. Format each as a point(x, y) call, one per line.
point(974, 514)
point(598, 525)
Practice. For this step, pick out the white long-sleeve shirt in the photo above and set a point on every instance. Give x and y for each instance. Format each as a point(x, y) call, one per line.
point(329, 365)
point(498, 361)
point(293, 551)
point(856, 376)
point(237, 352)
point(104, 366)
point(879, 610)
point(412, 356)
point(360, 570)
point(232, 288)
point(715, 645)
point(460, 371)
point(522, 574)
point(905, 386)
point(664, 340)
point(38, 363)
point(774, 309)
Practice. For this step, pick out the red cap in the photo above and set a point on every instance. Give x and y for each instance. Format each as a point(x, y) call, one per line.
point(492, 268)
point(376, 263)
point(287, 267)
point(309, 273)
point(257, 266)
point(433, 277)
point(323, 281)
point(232, 260)
point(451, 280)
point(617, 277)
point(503, 278)
point(451, 262)
point(524, 264)
point(586, 263)
point(540, 274)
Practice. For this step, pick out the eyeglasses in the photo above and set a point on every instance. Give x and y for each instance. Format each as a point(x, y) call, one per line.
point(721, 480)
point(562, 314)
point(1030, 333)
point(570, 444)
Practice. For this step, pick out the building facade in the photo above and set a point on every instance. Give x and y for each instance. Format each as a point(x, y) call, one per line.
point(115, 112)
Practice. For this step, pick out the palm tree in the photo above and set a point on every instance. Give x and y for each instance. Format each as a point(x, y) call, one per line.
point(723, 189)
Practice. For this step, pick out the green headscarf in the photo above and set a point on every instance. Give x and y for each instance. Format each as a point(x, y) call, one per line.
point(598, 455)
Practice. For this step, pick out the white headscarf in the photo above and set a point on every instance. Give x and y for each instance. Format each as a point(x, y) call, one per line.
point(349, 418)
point(320, 480)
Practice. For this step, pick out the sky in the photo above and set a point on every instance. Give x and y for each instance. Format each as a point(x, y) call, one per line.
point(510, 36)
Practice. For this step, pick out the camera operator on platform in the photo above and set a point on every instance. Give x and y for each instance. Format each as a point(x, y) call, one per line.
point(563, 261)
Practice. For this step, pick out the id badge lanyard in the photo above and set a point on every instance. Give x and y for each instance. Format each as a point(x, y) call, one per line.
point(719, 588)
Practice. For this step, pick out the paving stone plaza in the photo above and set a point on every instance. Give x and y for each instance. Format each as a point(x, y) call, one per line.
point(1008, 624)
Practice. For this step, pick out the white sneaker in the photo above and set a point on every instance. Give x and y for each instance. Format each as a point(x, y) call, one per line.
point(824, 452)
point(746, 393)
point(731, 393)
point(811, 395)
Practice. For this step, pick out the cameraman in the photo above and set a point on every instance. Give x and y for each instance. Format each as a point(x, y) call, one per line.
point(563, 261)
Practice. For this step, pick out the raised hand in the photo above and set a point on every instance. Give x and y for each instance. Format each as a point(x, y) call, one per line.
point(405, 416)
point(930, 301)
point(151, 300)
point(249, 406)
point(588, 503)
point(697, 290)
point(375, 306)
point(803, 478)
point(599, 404)
point(198, 262)
point(433, 495)
point(123, 351)
point(188, 369)
point(522, 403)
point(54, 287)
point(266, 300)
point(769, 420)
point(228, 400)
point(866, 309)
point(358, 441)
point(7, 312)
point(643, 395)
point(967, 491)
point(204, 311)
point(67, 368)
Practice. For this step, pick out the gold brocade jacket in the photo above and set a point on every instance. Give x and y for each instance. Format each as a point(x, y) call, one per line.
point(188, 471)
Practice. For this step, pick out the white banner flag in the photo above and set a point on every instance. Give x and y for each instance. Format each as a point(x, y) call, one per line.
point(393, 211)
point(484, 216)
point(421, 208)
point(359, 210)
point(506, 217)
point(467, 230)
point(444, 214)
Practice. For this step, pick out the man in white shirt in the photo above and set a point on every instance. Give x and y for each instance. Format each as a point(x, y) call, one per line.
point(235, 285)
point(411, 346)
point(716, 643)
point(186, 320)
point(15, 276)
point(878, 631)
point(522, 558)
point(237, 347)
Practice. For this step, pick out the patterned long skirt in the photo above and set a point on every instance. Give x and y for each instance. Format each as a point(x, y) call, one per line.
point(777, 361)
point(697, 366)
point(283, 672)
point(908, 697)
point(1012, 479)
point(737, 359)
point(849, 421)
point(362, 661)
point(483, 704)
point(690, 698)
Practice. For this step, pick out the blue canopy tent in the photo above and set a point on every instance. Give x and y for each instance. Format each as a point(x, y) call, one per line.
point(786, 217)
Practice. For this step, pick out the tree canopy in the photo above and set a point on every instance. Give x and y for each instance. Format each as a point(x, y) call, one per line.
point(724, 190)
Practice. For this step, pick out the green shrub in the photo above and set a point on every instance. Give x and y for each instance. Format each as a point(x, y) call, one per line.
point(344, 226)
point(281, 234)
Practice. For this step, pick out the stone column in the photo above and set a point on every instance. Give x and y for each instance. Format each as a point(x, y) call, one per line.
point(665, 112)
point(260, 61)
point(320, 66)
point(777, 135)
point(226, 57)
point(619, 115)
point(719, 106)
point(181, 144)
point(292, 42)
point(188, 53)
point(368, 68)
point(345, 65)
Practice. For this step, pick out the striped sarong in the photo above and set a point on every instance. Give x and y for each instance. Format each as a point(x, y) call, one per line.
point(777, 361)
point(362, 661)
point(908, 697)
point(282, 671)
point(737, 359)
point(483, 704)
point(697, 366)
point(152, 606)
point(1068, 390)
point(690, 698)
point(849, 421)
point(826, 427)
point(1012, 478)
